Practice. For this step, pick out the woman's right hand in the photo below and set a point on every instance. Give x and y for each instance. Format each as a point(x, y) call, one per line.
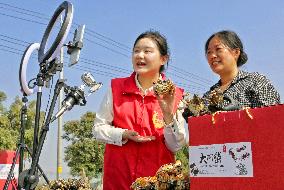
point(134, 136)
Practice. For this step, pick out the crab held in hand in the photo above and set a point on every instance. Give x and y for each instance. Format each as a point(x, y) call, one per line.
point(163, 87)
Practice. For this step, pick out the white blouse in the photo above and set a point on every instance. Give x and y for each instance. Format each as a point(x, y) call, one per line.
point(104, 131)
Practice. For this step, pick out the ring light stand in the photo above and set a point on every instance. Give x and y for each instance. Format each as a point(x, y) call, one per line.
point(26, 91)
point(49, 65)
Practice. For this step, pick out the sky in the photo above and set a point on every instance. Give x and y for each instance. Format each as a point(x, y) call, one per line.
point(111, 29)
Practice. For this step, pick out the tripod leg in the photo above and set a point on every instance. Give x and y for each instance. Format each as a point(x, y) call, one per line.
point(43, 174)
point(11, 172)
point(15, 184)
point(38, 166)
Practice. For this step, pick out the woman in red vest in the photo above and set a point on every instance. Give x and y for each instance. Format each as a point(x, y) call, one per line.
point(142, 131)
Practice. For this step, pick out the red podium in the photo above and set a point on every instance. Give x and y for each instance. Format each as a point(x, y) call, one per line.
point(253, 142)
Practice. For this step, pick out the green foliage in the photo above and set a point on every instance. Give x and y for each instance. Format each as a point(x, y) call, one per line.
point(83, 152)
point(10, 123)
point(4, 121)
point(79, 130)
point(183, 156)
point(7, 139)
point(8, 129)
point(14, 114)
point(3, 97)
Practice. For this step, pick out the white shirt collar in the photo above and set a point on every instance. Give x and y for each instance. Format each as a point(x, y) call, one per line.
point(146, 91)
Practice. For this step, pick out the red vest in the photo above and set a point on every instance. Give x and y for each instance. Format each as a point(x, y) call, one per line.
point(123, 164)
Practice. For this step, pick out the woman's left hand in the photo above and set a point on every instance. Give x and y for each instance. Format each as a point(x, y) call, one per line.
point(166, 102)
point(134, 136)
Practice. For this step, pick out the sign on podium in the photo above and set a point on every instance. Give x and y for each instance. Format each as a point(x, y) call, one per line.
point(238, 150)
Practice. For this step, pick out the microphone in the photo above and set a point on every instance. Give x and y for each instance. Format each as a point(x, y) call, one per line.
point(76, 96)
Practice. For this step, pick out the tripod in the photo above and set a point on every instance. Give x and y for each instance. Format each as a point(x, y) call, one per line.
point(20, 151)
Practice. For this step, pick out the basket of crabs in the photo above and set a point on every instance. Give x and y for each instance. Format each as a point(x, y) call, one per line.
point(168, 177)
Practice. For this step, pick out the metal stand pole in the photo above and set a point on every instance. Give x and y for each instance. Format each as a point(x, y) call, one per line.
point(30, 176)
point(20, 151)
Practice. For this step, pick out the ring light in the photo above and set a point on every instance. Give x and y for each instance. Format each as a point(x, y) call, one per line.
point(23, 69)
point(61, 36)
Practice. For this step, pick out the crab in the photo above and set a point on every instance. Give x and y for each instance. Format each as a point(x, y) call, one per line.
point(163, 87)
point(195, 105)
point(215, 97)
point(206, 105)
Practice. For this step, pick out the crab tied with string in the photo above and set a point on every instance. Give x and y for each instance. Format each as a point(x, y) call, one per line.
point(197, 106)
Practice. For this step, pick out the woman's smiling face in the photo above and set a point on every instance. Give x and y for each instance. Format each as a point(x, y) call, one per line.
point(221, 58)
point(146, 57)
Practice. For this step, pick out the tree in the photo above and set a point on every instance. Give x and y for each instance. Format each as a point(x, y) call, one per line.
point(84, 152)
point(10, 123)
point(8, 129)
point(3, 97)
point(3, 119)
point(7, 139)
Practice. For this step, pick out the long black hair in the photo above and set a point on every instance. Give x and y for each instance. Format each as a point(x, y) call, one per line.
point(231, 40)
